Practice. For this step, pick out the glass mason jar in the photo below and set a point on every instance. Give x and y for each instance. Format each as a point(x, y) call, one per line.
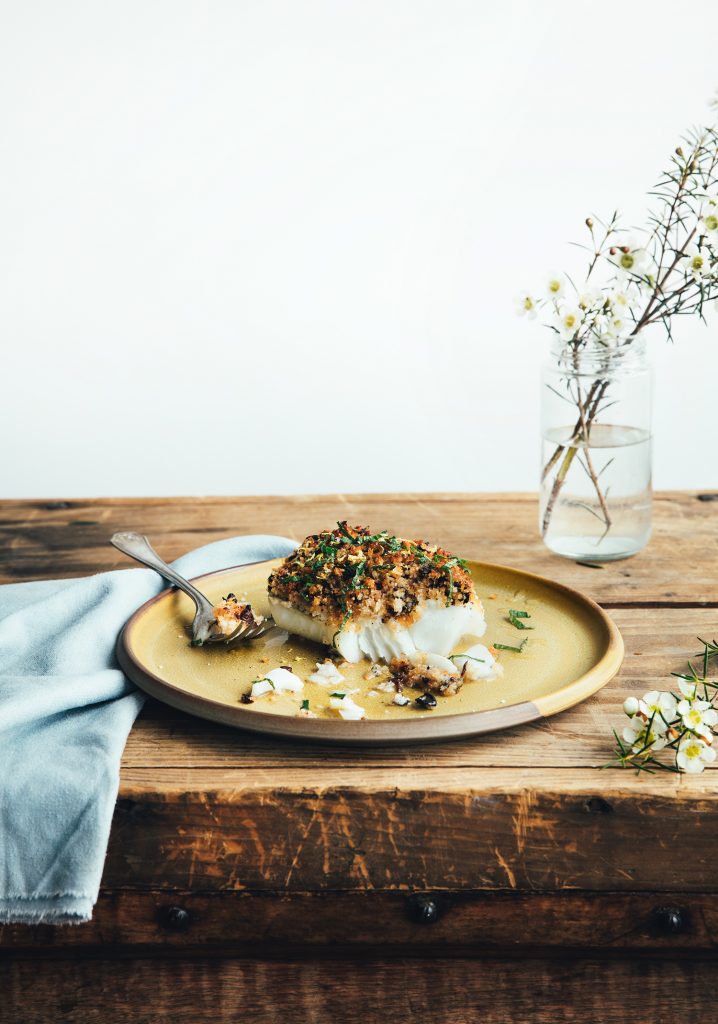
point(596, 451)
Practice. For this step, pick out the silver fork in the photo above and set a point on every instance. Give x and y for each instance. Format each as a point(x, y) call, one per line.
point(137, 546)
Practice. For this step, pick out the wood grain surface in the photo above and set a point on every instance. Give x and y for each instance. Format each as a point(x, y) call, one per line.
point(399, 991)
point(158, 922)
point(55, 538)
point(225, 809)
point(530, 845)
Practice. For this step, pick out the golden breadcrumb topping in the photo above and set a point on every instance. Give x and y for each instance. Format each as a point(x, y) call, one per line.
point(230, 612)
point(417, 676)
point(349, 571)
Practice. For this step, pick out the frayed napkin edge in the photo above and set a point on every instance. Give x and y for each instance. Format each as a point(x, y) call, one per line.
point(65, 908)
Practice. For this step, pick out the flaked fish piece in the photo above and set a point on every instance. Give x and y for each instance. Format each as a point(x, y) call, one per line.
point(279, 680)
point(375, 596)
point(478, 662)
point(231, 612)
point(345, 707)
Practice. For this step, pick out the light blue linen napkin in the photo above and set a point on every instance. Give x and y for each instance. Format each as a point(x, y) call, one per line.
point(65, 712)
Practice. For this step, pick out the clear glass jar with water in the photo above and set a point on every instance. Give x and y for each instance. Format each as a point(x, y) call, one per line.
point(596, 451)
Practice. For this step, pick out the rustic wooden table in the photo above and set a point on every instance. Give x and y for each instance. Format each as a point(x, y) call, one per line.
point(506, 879)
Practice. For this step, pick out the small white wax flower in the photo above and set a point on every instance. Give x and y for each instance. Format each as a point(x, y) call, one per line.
point(526, 306)
point(640, 739)
point(630, 258)
point(696, 262)
point(618, 326)
point(659, 706)
point(630, 706)
point(554, 286)
point(698, 716)
point(591, 297)
point(648, 283)
point(327, 674)
point(620, 302)
point(709, 220)
point(688, 688)
point(569, 322)
point(694, 754)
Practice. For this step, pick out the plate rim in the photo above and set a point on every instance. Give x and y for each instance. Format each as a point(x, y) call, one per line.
point(372, 732)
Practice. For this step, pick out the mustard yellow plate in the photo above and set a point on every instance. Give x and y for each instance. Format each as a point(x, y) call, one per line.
point(572, 649)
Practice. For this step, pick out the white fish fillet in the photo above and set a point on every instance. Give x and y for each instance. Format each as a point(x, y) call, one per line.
point(480, 663)
point(438, 629)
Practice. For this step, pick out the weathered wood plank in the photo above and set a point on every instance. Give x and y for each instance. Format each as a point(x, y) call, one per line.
point(414, 828)
point(229, 819)
point(55, 538)
point(271, 924)
point(435, 991)
point(657, 643)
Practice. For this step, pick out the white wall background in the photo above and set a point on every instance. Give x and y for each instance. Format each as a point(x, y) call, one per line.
point(307, 220)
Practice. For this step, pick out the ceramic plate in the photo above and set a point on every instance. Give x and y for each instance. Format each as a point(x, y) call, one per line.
point(572, 650)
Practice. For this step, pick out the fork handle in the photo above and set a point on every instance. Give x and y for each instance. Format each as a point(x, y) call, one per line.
point(137, 546)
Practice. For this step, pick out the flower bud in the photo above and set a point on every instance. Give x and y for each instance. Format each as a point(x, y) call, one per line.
point(589, 222)
point(613, 250)
point(679, 152)
point(630, 706)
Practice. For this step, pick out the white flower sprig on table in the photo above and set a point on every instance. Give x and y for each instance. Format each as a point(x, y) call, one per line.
point(633, 281)
point(682, 723)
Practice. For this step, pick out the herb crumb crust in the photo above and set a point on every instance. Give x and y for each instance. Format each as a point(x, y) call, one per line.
point(349, 572)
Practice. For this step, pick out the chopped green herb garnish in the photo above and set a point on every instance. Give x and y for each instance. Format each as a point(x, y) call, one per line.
point(516, 650)
point(340, 695)
point(470, 657)
point(448, 566)
point(305, 705)
point(369, 539)
point(515, 618)
point(333, 573)
point(358, 575)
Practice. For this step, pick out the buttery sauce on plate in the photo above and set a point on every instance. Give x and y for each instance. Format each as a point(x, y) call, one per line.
point(560, 647)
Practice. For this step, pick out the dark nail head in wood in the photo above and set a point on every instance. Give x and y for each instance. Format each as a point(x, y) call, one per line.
point(422, 909)
point(670, 920)
point(176, 918)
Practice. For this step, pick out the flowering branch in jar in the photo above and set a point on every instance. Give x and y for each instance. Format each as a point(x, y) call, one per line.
point(681, 725)
point(669, 270)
